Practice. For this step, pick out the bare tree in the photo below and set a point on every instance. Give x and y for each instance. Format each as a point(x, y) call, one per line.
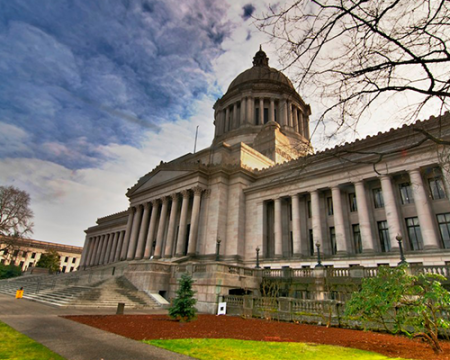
point(15, 219)
point(358, 53)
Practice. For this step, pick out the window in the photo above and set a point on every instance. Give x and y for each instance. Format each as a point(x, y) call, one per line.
point(357, 238)
point(414, 234)
point(74, 260)
point(444, 228)
point(33, 255)
point(406, 193)
point(352, 201)
point(266, 115)
point(330, 206)
point(383, 233)
point(436, 188)
point(333, 240)
point(66, 259)
point(378, 198)
point(311, 242)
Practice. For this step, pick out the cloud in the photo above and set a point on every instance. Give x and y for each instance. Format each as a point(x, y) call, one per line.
point(249, 9)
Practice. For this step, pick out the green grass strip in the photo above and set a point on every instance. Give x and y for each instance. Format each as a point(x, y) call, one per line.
point(16, 346)
point(229, 349)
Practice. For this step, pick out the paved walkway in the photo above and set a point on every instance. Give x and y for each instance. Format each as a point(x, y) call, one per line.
point(75, 341)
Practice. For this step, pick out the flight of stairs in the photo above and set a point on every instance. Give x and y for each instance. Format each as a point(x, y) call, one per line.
point(76, 292)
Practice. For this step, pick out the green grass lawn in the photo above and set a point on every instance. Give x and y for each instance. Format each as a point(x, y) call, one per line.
point(229, 349)
point(16, 346)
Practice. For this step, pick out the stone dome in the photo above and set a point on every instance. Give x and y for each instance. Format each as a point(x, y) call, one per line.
point(260, 72)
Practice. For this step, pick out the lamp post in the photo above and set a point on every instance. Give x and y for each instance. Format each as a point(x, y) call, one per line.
point(319, 263)
point(400, 245)
point(217, 248)
point(257, 258)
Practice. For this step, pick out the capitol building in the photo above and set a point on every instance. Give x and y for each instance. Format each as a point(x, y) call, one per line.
point(261, 197)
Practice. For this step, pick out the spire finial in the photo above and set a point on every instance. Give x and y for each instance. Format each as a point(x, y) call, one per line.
point(260, 58)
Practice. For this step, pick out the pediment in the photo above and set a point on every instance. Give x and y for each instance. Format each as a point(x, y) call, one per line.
point(161, 177)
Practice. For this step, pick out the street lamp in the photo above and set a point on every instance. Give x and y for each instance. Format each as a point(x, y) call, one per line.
point(400, 245)
point(319, 263)
point(257, 258)
point(217, 248)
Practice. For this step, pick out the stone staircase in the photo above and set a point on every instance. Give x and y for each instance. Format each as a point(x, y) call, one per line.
point(77, 292)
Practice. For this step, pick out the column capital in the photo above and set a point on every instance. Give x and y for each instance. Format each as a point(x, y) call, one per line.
point(185, 193)
point(147, 205)
point(155, 202)
point(174, 196)
point(198, 190)
point(165, 199)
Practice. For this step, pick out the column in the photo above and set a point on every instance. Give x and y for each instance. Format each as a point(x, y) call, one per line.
point(295, 119)
point(134, 233)
point(296, 235)
point(301, 129)
point(192, 246)
point(284, 117)
point(91, 251)
point(243, 105)
point(278, 228)
point(172, 226)
point(126, 242)
point(143, 233)
point(272, 110)
point(84, 253)
point(103, 249)
point(108, 248)
point(315, 218)
point(250, 106)
point(341, 241)
point(445, 168)
point(261, 111)
point(390, 207)
point(227, 126)
point(181, 240)
point(289, 114)
point(161, 228)
point(216, 123)
point(235, 117)
point(119, 246)
point(94, 251)
point(152, 228)
point(368, 243)
point(424, 212)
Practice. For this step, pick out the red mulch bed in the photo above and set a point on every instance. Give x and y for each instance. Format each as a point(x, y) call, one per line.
point(148, 327)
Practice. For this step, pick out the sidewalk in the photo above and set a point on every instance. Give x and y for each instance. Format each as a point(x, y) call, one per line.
point(75, 341)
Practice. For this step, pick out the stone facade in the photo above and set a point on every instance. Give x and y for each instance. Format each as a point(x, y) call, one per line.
point(27, 252)
point(260, 188)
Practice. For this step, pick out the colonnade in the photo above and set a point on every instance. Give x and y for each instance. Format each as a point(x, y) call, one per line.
point(283, 111)
point(159, 228)
point(316, 220)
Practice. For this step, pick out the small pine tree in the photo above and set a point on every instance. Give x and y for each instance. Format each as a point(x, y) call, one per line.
point(183, 306)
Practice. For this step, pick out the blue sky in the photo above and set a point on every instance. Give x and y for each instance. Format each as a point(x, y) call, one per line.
point(94, 94)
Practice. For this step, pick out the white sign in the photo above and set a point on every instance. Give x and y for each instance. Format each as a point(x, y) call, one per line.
point(222, 310)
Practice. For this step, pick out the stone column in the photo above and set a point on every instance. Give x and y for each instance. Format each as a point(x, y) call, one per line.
point(315, 218)
point(108, 248)
point(278, 228)
point(392, 215)
point(261, 111)
point(251, 110)
point(84, 253)
point(227, 126)
point(112, 252)
point(126, 242)
point(272, 110)
point(296, 234)
point(368, 244)
point(243, 105)
point(424, 212)
point(103, 249)
point(192, 246)
point(445, 168)
point(172, 227)
point(119, 246)
point(289, 114)
point(283, 118)
point(161, 228)
point(341, 241)
point(143, 232)
point(93, 258)
point(295, 119)
point(301, 125)
point(181, 240)
point(90, 251)
point(235, 117)
point(134, 233)
point(151, 230)
point(216, 123)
